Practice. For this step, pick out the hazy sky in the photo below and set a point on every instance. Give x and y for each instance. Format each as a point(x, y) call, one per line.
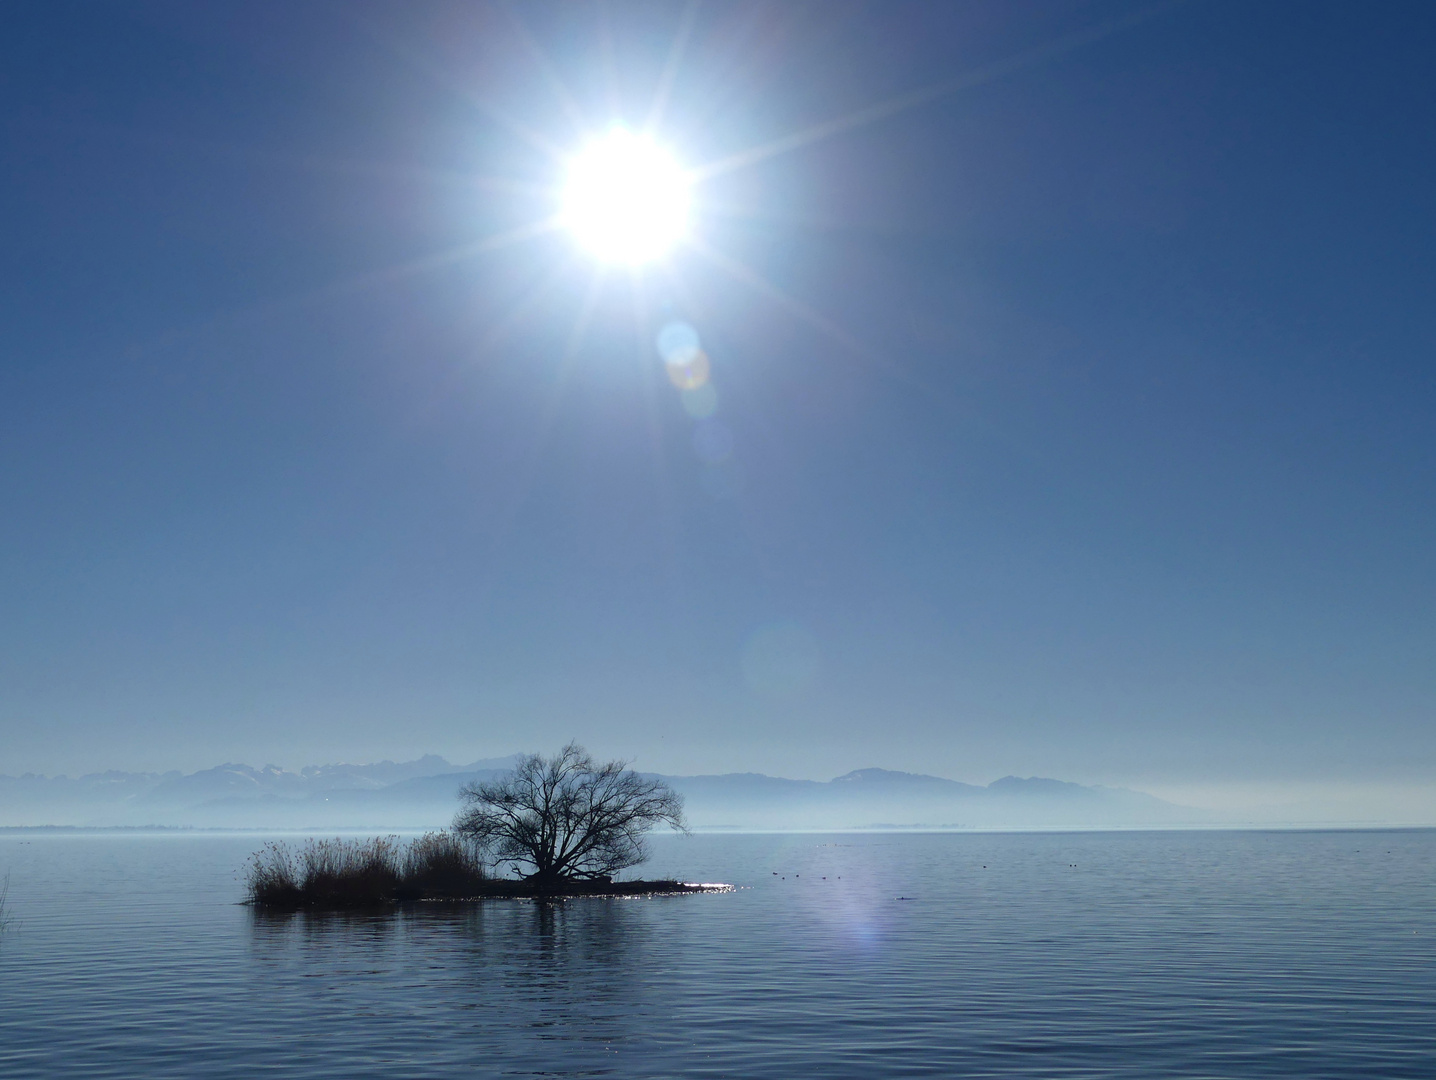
point(1077, 421)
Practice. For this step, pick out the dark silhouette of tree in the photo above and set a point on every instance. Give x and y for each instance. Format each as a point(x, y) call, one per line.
point(567, 817)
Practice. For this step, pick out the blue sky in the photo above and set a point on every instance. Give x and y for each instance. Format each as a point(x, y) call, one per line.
point(1080, 418)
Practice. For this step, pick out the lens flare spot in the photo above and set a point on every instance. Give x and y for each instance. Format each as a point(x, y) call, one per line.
point(690, 374)
point(700, 402)
point(677, 342)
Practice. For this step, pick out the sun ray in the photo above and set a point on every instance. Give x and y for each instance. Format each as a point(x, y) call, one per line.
point(688, 300)
point(518, 312)
point(251, 155)
point(668, 524)
point(930, 393)
point(567, 103)
point(638, 294)
point(756, 281)
point(580, 325)
point(425, 263)
point(505, 515)
point(550, 149)
point(263, 309)
point(420, 61)
point(670, 67)
point(904, 102)
point(612, 99)
point(574, 343)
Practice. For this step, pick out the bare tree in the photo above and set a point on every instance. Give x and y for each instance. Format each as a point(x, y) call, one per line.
point(567, 817)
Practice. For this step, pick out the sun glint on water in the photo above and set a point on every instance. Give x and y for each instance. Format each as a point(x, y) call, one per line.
point(626, 200)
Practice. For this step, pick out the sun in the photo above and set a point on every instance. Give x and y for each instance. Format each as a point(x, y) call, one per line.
point(626, 199)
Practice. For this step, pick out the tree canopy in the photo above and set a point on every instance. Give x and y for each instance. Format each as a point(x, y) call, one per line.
point(567, 816)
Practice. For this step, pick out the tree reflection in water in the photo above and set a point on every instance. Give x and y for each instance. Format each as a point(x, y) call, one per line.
point(571, 972)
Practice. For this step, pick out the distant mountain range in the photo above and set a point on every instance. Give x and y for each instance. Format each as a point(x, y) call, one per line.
point(422, 794)
point(872, 798)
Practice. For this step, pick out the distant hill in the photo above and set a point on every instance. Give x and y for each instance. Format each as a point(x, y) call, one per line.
point(423, 794)
point(875, 798)
point(387, 794)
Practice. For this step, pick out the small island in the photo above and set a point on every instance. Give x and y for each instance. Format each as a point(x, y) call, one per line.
point(553, 828)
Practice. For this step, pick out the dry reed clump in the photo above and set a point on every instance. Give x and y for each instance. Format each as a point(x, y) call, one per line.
point(363, 873)
point(442, 865)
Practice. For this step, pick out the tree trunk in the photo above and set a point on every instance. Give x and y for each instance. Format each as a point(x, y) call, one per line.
point(546, 881)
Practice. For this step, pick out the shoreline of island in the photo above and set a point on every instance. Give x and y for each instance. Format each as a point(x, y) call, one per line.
point(500, 889)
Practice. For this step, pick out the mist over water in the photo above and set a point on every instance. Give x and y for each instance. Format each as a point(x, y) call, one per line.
point(1086, 954)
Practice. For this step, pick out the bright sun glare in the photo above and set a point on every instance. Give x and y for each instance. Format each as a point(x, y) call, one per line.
point(626, 200)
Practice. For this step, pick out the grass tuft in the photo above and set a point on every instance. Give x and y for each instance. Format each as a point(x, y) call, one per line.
point(363, 873)
point(442, 865)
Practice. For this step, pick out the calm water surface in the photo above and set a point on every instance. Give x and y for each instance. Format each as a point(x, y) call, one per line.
point(1218, 954)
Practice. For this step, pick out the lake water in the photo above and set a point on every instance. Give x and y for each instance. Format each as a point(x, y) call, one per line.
point(1188, 954)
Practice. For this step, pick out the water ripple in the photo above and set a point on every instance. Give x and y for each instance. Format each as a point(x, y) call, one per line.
point(1057, 955)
